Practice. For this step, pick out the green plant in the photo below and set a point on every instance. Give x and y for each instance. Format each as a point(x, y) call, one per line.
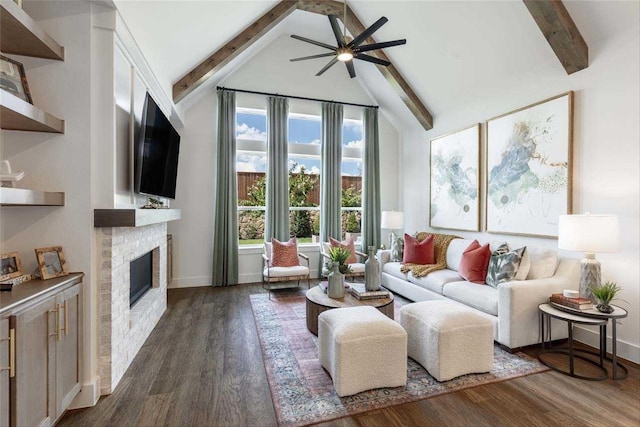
point(300, 224)
point(316, 225)
point(606, 292)
point(339, 255)
point(351, 198)
point(353, 225)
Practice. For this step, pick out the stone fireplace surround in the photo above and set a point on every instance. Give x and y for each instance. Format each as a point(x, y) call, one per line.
point(123, 330)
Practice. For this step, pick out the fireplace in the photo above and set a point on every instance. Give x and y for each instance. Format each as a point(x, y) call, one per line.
point(140, 277)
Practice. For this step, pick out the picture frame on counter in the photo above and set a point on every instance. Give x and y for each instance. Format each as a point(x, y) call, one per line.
point(10, 266)
point(51, 262)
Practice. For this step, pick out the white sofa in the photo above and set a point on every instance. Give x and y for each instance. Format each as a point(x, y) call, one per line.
point(512, 307)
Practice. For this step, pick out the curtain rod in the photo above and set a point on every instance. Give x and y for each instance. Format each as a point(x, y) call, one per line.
point(295, 97)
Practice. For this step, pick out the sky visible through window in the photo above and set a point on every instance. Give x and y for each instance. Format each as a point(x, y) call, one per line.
point(303, 129)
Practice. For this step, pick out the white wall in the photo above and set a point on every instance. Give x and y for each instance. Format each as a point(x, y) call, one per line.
point(268, 71)
point(605, 162)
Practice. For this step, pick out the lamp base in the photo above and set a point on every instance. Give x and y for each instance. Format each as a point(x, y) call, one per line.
point(589, 275)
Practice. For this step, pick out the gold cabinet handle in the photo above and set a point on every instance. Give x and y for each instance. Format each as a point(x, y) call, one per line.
point(12, 353)
point(57, 332)
point(66, 317)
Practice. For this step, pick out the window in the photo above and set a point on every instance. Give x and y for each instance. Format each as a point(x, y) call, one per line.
point(304, 175)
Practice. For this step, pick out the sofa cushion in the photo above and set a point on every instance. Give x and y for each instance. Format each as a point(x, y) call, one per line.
point(418, 252)
point(475, 262)
point(393, 269)
point(454, 252)
point(436, 280)
point(483, 298)
point(544, 263)
point(504, 267)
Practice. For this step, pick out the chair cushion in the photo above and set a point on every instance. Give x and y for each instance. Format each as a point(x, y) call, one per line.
point(418, 252)
point(454, 252)
point(483, 298)
point(393, 269)
point(348, 245)
point(357, 267)
point(284, 254)
point(475, 262)
point(435, 280)
point(298, 270)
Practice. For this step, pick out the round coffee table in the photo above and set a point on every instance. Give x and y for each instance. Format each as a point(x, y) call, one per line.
point(318, 301)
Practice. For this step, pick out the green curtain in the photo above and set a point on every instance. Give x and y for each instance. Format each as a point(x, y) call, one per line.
point(371, 181)
point(277, 220)
point(331, 176)
point(225, 224)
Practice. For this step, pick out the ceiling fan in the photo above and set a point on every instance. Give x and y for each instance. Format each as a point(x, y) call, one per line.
point(347, 50)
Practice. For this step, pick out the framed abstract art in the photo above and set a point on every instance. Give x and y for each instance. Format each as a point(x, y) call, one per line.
point(528, 168)
point(455, 180)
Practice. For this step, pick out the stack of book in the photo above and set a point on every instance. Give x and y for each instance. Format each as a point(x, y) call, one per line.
point(359, 291)
point(576, 303)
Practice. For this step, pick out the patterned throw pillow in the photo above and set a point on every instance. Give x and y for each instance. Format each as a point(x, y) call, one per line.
point(504, 267)
point(284, 254)
point(416, 252)
point(348, 245)
point(397, 249)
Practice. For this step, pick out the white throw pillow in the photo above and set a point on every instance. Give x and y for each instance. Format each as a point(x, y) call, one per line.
point(525, 266)
point(544, 263)
point(454, 252)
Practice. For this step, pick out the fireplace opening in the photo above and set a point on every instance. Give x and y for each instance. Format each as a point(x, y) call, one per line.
point(141, 277)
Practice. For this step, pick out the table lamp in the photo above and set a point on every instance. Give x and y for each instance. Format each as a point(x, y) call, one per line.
point(392, 220)
point(589, 234)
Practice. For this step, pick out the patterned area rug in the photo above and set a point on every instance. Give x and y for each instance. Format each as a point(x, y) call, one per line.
point(302, 390)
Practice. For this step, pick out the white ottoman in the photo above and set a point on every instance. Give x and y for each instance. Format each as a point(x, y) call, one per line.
point(362, 349)
point(447, 339)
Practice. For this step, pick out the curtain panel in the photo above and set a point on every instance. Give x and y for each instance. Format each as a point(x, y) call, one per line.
point(331, 176)
point(277, 217)
point(225, 225)
point(371, 181)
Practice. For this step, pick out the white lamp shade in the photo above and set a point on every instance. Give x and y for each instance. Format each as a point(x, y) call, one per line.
point(392, 220)
point(589, 233)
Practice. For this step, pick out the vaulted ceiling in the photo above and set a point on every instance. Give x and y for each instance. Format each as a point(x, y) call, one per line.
point(454, 49)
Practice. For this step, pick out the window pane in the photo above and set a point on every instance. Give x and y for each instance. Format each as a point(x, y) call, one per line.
point(352, 133)
point(304, 224)
point(304, 129)
point(251, 124)
point(252, 189)
point(251, 227)
point(351, 167)
point(304, 181)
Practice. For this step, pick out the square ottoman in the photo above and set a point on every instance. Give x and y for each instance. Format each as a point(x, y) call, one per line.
point(447, 339)
point(362, 349)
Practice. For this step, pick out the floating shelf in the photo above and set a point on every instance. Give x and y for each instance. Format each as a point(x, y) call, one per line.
point(133, 217)
point(17, 114)
point(25, 197)
point(21, 35)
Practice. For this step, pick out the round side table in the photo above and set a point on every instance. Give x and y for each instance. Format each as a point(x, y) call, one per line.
point(582, 317)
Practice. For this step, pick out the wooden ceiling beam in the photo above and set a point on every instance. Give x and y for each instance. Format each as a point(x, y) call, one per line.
point(242, 41)
point(561, 32)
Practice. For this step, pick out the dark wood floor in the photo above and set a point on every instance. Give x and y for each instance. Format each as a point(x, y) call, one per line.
point(202, 366)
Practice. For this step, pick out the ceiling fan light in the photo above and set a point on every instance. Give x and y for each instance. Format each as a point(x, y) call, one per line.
point(345, 54)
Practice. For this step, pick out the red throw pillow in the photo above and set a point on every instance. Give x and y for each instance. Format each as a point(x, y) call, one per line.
point(475, 263)
point(348, 245)
point(284, 254)
point(418, 252)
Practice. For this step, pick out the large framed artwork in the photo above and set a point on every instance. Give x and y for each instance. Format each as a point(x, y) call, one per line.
point(455, 180)
point(528, 168)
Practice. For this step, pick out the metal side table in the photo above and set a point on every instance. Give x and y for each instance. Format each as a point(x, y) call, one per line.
point(582, 317)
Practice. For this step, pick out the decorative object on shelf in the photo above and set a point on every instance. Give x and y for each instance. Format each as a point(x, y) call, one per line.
point(10, 266)
point(589, 234)
point(604, 294)
point(7, 177)
point(372, 271)
point(13, 79)
point(336, 282)
point(455, 180)
point(153, 203)
point(392, 220)
point(570, 293)
point(528, 168)
point(51, 262)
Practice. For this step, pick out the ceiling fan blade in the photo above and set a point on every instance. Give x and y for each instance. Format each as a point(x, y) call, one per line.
point(368, 32)
point(368, 58)
point(322, 55)
point(304, 39)
point(382, 45)
point(335, 26)
point(326, 67)
point(351, 68)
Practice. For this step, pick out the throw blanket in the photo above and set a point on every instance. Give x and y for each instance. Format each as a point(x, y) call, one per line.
point(440, 246)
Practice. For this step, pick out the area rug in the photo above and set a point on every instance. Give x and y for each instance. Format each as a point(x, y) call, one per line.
point(302, 390)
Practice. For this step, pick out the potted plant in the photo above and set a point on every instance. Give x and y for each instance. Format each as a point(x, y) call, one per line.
point(338, 267)
point(604, 294)
point(315, 237)
point(352, 226)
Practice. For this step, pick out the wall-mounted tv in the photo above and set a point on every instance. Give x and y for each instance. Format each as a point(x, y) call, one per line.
point(156, 153)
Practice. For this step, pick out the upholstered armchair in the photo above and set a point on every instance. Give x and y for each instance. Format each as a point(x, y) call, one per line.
point(272, 275)
point(357, 268)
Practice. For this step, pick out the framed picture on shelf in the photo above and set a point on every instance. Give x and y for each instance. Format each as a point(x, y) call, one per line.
point(455, 180)
point(13, 79)
point(528, 168)
point(51, 262)
point(10, 266)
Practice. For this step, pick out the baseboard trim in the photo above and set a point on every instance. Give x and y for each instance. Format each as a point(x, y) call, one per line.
point(625, 350)
point(189, 282)
point(87, 397)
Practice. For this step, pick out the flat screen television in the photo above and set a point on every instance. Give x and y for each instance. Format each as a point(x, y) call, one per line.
point(156, 153)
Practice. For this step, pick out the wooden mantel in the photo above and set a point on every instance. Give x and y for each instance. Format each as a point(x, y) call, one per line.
point(133, 217)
